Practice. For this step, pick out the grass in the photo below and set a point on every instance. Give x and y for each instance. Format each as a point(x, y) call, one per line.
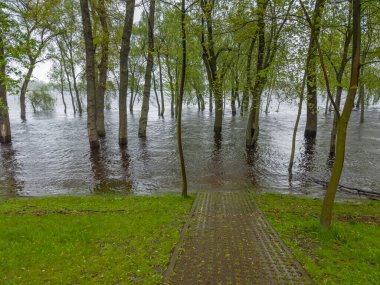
point(88, 240)
point(347, 254)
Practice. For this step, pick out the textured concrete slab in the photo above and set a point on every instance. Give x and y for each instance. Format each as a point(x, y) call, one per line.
point(227, 240)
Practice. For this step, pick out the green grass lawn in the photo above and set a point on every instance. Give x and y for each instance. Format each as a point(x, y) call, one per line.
point(88, 240)
point(348, 254)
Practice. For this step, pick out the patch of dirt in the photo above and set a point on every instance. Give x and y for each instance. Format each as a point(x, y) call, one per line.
point(359, 219)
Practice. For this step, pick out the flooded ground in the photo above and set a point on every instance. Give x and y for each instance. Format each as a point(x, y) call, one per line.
point(50, 154)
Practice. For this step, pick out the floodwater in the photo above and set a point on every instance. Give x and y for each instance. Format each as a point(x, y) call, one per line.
point(50, 154)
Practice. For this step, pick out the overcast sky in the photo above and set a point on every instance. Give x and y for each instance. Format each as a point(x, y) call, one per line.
point(42, 69)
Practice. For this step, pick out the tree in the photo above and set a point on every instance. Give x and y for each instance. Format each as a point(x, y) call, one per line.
point(36, 21)
point(5, 128)
point(311, 62)
point(148, 71)
point(328, 202)
point(181, 91)
point(210, 55)
point(101, 82)
point(90, 75)
point(124, 53)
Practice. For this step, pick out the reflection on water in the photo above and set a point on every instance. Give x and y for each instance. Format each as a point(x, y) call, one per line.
point(50, 155)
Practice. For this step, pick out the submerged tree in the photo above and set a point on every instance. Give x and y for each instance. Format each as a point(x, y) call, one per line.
point(148, 71)
point(5, 127)
point(124, 54)
point(90, 75)
point(311, 65)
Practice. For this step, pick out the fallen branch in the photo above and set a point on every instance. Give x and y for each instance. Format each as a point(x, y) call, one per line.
point(368, 193)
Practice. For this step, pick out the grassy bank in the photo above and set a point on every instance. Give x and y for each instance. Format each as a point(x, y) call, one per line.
point(88, 240)
point(348, 254)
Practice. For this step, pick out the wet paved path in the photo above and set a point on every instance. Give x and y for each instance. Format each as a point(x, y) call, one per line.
point(227, 240)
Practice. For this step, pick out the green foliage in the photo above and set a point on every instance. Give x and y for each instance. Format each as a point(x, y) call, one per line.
point(348, 254)
point(88, 240)
point(41, 100)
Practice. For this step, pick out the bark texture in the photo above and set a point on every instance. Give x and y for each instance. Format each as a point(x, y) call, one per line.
point(328, 202)
point(124, 54)
point(311, 86)
point(90, 75)
point(5, 127)
point(103, 68)
point(148, 71)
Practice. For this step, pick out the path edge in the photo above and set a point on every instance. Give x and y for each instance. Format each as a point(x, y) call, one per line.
point(297, 263)
point(173, 259)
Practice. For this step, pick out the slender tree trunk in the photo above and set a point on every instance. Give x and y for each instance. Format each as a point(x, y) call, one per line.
point(24, 88)
point(176, 95)
point(148, 72)
point(362, 107)
point(233, 101)
point(235, 95)
point(161, 85)
point(181, 91)
point(248, 84)
point(339, 89)
point(269, 96)
point(103, 68)
point(72, 67)
point(132, 96)
point(62, 87)
point(301, 97)
point(156, 94)
point(312, 106)
point(172, 92)
point(68, 82)
point(327, 105)
point(361, 91)
point(328, 202)
point(5, 127)
point(124, 53)
point(90, 75)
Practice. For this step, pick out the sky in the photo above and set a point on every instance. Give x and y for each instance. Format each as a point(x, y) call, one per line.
point(42, 69)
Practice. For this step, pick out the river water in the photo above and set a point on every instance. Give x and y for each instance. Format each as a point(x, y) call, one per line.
point(50, 154)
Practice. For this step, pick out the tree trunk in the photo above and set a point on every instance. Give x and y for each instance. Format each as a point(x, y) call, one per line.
point(68, 81)
point(24, 88)
point(161, 85)
point(5, 127)
point(328, 202)
point(62, 87)
point(90, 75)
point(248, 83)
point(156, 94)
point(312, 105)
point(361, 90)
point(253, 126)
point(233, 101)
point(235, 95)
point(124, 53)
point(301, 97)
point(339, 89)
point(172, 92)
point(103, 68)
point(218, 107)
point(72, 67)
point(181, 91)
point(148, 72)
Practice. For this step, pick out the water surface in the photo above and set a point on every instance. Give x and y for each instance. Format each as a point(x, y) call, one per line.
point(50, 154)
